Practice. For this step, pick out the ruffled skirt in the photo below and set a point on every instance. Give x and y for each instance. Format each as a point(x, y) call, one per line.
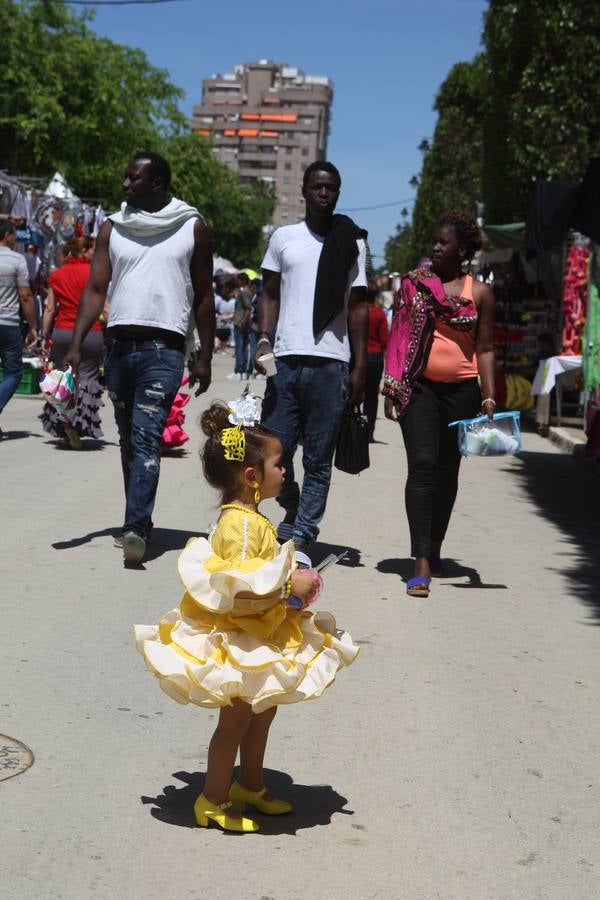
point(206, 660)
point(86, 418)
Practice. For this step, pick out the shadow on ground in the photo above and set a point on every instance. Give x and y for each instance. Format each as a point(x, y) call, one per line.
point(319, 550)
point(15, 435)
point(166, 539)
point(163, 541)
point(313, 804)
point(87, 444)
point(567, 493)
point(405, 569)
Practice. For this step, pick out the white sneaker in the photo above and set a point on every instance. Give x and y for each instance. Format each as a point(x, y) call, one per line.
point(234, 376)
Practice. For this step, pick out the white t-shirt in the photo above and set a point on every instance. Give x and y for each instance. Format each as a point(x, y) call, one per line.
point(294, 251)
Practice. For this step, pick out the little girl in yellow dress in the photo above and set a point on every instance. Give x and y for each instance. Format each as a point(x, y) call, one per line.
point(235, 642)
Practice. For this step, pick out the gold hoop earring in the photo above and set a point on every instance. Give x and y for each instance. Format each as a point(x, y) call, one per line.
point(256, 487)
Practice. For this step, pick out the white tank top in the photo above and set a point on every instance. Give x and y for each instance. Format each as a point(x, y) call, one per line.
point(151, 281)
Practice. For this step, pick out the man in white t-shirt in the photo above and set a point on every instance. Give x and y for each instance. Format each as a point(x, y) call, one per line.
point(314, 300)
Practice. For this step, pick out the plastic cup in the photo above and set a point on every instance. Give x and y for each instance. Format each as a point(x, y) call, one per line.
point(268, 363)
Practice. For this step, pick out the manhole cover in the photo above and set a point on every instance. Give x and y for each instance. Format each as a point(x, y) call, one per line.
point(15, 757)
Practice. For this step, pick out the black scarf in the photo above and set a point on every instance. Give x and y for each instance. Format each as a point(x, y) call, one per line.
point(338, 255)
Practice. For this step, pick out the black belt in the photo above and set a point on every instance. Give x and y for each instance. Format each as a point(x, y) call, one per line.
point(123, 347)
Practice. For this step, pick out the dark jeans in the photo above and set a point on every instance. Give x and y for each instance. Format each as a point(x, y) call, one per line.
point(11, 355)
point(306, 400)
point(253, 346)
point(142, 385)
point(433, 456)
point(374, 373)
point(241, 336)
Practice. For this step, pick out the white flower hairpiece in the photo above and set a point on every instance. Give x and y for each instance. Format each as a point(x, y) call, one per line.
point(243, 413)
point(244, 410)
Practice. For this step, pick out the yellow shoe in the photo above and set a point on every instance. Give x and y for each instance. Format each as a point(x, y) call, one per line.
point(240, 797)
point(206, 811)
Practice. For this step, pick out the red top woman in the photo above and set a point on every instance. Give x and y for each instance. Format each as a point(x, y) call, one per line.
point(66, 286)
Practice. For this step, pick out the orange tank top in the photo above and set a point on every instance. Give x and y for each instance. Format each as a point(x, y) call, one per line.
point(452, 355)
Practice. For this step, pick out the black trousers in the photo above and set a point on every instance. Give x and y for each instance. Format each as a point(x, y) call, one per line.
point(374, 374)
point(433, 456)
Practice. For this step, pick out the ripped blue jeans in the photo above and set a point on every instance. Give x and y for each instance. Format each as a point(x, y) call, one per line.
point(142, 385)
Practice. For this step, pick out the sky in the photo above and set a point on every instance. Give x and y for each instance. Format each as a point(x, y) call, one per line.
point(386, 58)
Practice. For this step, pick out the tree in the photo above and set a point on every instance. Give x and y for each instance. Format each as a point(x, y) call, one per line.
point(87, 104)
point(398, 250)
point(451, 174)
point(543, 117)
point(73, 101)
point(236, 213)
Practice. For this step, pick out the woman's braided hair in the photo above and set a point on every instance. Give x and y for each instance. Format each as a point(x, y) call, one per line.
point(467, 230)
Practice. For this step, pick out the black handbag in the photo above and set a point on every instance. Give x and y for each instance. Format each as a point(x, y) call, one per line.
point(352, 450)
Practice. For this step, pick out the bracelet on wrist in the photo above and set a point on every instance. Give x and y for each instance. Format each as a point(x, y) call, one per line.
point(488, 400)
point(264, 336)
point(286, 590)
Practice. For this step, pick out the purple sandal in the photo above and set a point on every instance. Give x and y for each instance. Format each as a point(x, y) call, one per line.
point(418, 586)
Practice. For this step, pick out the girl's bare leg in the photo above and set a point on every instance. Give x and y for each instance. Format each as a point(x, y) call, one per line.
point(234, 721)
point(252, 751)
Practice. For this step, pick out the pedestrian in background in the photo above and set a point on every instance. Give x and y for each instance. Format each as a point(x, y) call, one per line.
point(224, 318)
point(241, 327)
point(15, 296)
point(441, 344)
point(376, 344)
point(65, 287)
point(256, 288)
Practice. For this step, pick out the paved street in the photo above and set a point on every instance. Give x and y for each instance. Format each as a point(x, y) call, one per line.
point(459, 758)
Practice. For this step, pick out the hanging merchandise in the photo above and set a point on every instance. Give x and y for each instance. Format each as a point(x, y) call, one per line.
point(67, 225)
point(518, 392)
point(591, 361)
point(575, 295)
point(47, 215)
point(591, 354)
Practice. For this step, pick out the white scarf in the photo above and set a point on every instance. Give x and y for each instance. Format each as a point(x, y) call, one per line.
point(141, 223)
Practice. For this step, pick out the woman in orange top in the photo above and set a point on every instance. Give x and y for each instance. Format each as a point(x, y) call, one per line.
point(66, 286)
point(448, 388)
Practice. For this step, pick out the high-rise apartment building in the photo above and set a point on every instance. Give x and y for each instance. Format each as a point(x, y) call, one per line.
point(268, 120)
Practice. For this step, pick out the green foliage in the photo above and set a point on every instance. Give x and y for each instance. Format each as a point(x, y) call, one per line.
point(544, 115)
point(79, 103)
point(451, 175)
point(525, 109)
point(73, 101)
point(236, 213)
point(398, 250)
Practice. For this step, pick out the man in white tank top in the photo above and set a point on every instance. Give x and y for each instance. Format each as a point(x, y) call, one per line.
point(157, 256)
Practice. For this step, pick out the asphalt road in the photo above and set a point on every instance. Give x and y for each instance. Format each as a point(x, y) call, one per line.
point(457, 759)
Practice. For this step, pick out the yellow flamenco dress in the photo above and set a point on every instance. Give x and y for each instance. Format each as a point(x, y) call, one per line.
point(232, 635)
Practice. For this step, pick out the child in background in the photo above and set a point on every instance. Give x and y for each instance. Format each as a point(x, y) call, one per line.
point(234, 642)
